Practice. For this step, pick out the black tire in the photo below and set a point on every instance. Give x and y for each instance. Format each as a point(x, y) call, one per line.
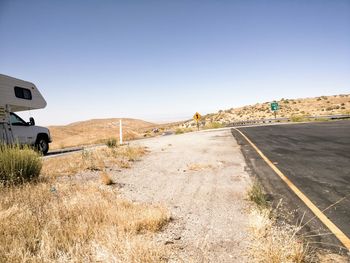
point(42, 145)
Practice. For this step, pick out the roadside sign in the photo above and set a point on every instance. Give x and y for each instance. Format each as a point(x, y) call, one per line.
point(197, 116)
point(274, 106)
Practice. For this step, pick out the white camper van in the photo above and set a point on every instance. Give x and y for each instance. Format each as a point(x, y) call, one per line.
point(19, 95)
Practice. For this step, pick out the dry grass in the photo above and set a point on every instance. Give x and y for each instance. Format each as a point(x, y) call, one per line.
point(213, 125)
point(54, 220)
point(106, 178)
point(276, 241)
point(47, 222)
point(96, 131)
point(184, 130)
point(95, 160)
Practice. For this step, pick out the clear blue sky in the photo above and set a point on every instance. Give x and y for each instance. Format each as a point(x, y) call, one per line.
point(164, 60)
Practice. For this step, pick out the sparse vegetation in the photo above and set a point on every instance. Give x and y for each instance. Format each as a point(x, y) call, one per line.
point(62, 222)
point(179, 131)
point(214, 125)
point(18, 165)
point(256, 194)
point(112, 142)
point(70, 221)
point(274, 242)
point(106, 178)
point(97, 131)
point(288, 108)
point(183, 130)
point(298, 118)
point(93, 160)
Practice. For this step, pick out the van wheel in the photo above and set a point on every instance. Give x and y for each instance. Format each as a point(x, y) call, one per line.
point(42, 145)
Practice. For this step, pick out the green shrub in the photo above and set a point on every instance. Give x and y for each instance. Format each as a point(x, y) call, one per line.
point(18, 165)
point(256, 194)
point(112, 142)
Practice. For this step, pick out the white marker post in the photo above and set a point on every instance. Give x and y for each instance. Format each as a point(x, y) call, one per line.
point(120, 132)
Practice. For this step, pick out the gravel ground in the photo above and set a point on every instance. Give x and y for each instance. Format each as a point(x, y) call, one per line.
point(201, 179)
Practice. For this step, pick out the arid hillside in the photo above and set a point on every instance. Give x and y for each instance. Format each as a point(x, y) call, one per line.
point(96, 131)
point(324, 105)
point(99, 130)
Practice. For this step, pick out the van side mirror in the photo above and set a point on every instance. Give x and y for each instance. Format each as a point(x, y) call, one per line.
point(31, 121)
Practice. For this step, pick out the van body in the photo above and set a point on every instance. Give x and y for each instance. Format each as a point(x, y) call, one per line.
point(18, 95)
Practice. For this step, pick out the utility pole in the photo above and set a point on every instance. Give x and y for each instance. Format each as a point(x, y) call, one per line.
point(120, 132)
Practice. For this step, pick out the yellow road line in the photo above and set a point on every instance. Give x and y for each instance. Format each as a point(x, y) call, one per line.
point(318, 213)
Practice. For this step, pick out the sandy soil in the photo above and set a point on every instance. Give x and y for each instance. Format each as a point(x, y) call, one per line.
point(200, 178)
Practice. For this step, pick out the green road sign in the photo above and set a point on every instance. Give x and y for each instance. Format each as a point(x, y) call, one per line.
point(274, 106)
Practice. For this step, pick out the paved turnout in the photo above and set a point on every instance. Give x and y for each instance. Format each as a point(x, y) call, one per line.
point(316, 158)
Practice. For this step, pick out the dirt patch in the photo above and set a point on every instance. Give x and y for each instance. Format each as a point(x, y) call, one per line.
point(201, 180)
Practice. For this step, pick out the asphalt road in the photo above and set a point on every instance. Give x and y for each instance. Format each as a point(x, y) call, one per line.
point(316, 158)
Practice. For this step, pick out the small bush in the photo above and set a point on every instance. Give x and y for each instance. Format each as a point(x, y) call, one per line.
point(112, 142)
point(18, 165)
point(256, 194)
point(106, 178)
point(214, 125)
point(179, 131)
point(297, 118)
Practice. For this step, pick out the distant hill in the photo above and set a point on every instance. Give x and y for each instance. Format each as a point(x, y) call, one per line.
point(324, 105)
point(99, 130)
point(96, 131)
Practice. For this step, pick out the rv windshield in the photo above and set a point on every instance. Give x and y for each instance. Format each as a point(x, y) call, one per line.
point(17, 121)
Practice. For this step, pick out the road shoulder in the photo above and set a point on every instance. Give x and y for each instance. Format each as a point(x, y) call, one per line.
point(201, 179)
point(289, 207)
